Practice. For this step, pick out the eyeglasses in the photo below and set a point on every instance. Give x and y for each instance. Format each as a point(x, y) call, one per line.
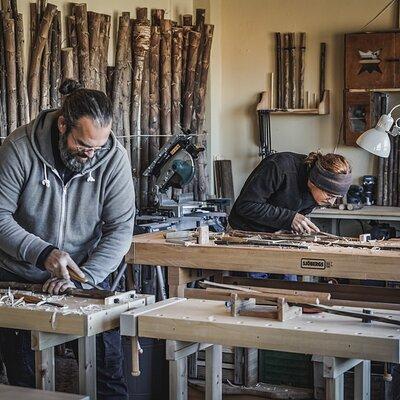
point(87, 149)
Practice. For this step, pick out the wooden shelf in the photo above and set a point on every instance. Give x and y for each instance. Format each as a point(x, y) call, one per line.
point(323, 108)
point(374, 90)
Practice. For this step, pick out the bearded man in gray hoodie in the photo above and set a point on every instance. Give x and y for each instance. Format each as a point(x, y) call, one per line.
point(66, 203)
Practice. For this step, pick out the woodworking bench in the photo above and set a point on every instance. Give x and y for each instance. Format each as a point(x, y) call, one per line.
point(376, 213)
point(189, 325)
point(187, 263)
point(193, 262)
point(81, 319)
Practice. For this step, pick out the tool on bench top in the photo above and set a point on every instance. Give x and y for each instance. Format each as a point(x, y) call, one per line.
point(38, 288)
point(74, 276)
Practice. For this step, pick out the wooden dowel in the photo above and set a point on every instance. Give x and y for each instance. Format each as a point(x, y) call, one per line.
point(322, 71)
point(144, 131)
point(141, 45)
point(194, 42)
point(271, 91)
point(73, 43)
point(154, 121)
point(9, 39)
point(82, 34)
point(45, 75)
point(177, 43)
point(165, 79)
point(23, 104)
point(286, 86)
point(105, 33)
point(185, 47)
point(292, 71)
point(34, 69)
point(301, 70)
point(55, 62)
point(33, 23)
point(94, 23)
point(278, 66)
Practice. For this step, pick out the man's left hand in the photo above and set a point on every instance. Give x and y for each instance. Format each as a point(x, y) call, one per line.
point(57, 285)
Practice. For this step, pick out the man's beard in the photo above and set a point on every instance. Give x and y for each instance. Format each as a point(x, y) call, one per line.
point(69, 158)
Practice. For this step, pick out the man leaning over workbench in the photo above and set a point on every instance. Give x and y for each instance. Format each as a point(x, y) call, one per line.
point(66, 200)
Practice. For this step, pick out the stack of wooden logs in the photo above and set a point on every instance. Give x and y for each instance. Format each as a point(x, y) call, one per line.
point(161, 92)
point(14, 110)
point(290, 70)
point(158, 84)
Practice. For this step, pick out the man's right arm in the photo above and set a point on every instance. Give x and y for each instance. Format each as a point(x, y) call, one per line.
point(14, 239)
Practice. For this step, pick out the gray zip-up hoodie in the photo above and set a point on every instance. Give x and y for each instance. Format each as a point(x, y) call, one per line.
point(91, 217)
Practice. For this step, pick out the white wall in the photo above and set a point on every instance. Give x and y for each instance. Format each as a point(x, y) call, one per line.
point(246, 55)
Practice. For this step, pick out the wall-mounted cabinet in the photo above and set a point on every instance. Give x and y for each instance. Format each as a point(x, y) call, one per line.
point(361, 112)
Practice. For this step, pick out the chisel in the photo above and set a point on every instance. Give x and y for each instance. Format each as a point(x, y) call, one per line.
point(74, 276)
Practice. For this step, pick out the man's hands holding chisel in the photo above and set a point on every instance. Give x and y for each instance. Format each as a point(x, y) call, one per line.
point(58, 263)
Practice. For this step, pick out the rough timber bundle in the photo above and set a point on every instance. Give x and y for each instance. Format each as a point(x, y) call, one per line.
point(157, 84)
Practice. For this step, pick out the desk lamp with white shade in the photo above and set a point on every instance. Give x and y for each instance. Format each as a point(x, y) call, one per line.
point(376, 140)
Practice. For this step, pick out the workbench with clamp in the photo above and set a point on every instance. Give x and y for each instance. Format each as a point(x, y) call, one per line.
point(341, 342)
point(54, 320)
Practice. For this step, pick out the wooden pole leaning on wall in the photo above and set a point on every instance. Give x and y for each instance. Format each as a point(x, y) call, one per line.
point(165, 79)
point(285, 83)
point(194, 42)
point(141, 45)
point(82, 33)
point(35, 63)
point(301, 70)
point(278, 66)
point(105, 26)
point(292, 71)
point(23, 104)
point(94, 24)
point(203, 179)
point(45, 67)
point(3, 83)
point(177, 45)
point(73, 44)
point(141, 14)
point(322, 71)
point(9, 40)
point(154, 102)
point(55, 62)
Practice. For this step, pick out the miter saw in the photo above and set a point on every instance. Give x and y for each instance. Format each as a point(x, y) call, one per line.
point(174, 167)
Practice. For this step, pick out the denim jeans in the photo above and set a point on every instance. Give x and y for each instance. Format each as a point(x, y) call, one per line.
point(19, 359)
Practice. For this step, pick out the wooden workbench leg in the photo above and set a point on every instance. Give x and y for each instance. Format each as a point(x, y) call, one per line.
point(44, 369)
point(334, 389)
point(178, 379)
point(177, 290)
point(362, 380)
point(87, 366)
point(214, 372)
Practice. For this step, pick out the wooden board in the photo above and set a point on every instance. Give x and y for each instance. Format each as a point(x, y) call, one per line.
point(207, 321)
point(152, 249)
point(93, 318)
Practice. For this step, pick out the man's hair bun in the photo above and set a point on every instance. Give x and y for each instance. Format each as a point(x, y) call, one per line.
point(69, 86)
